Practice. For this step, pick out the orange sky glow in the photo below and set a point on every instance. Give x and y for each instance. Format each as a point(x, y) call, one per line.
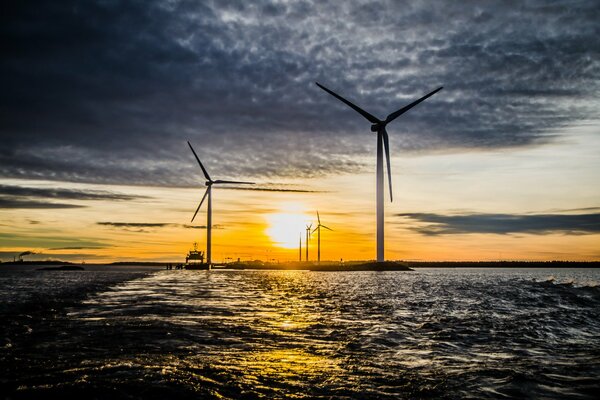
point(267, 225)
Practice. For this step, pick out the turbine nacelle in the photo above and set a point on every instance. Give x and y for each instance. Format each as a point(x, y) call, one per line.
point(378, 126)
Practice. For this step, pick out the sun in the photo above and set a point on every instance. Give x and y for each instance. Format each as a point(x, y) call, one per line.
point(286, 227)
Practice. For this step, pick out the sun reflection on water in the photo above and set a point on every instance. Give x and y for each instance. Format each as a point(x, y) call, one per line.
point(293, 362)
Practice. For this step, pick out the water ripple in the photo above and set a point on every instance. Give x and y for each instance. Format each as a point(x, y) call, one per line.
point(300, 334)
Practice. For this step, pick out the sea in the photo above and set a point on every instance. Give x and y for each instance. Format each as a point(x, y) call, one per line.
point(139, 333)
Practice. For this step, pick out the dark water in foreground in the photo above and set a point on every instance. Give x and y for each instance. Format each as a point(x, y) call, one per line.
point(461, 333)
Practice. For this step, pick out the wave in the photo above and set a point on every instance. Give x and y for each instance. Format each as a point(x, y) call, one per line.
point(571, 282)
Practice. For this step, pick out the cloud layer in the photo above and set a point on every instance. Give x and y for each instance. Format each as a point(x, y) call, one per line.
point(438, 224)
point(109, 91)
point(6, 203)
point(56, 193)
point(22, 197)
point(142, 226)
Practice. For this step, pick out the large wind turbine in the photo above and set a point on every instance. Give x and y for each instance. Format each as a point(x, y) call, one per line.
point(209, 182)
point(382, 141)
point(318, 229)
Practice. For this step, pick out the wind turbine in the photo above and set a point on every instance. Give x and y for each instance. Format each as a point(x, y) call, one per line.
point(308, 228)
point(300, 248)
point(209, 182)
point(318, 229)
point(382, 141)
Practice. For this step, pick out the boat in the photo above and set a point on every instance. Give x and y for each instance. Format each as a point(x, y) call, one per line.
point(195, 260)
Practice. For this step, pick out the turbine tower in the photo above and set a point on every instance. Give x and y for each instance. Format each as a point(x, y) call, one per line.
point(308, 228)
point(378, 126)
point(318, 229)
point(300, 248)
point(209, 182)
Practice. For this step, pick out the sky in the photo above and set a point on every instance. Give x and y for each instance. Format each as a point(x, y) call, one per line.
point(99, 98)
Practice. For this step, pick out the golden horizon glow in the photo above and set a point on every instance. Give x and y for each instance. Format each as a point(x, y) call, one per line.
point(266, 225)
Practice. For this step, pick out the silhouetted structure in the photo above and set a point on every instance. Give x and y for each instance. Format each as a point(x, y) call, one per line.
point(318, 229)
point(382, 142)
point(209, 182)
point(308, 228)
point(194, 256)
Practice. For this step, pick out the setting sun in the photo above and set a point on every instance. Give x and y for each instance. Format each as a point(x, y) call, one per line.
point(285, 228)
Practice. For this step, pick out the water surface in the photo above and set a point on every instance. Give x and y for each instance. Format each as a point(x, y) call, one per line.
point(454, 333)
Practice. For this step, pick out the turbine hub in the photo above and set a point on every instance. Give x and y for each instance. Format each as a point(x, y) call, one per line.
point(377, 127)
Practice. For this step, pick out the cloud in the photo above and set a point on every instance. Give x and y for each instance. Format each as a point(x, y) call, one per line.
point(216, 226)
point(56, 193)
point(108, 92)
point(268, 189)
point(21, 197)
point(140, 225)
point(10, 255)
point(33, 204)
point(46, 242)
point(78, 248)
point(134, 224)
point(502, 224)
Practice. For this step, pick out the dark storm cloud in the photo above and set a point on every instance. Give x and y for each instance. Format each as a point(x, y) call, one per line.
point(57, 193)
point(33, 204)
point(110, 91)
point(438, 224)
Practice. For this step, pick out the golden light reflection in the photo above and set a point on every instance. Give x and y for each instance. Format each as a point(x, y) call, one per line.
point(289, 319)
point(292, 363)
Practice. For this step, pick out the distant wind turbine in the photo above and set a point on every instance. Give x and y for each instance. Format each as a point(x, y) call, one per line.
point(300, 248)
point(209, 182)
point(382, 141)
point(308, 228)
point(318, 229)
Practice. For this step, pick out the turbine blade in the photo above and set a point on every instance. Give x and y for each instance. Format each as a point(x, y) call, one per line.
point(199, 162)
point(386, 146)
point(323, 226)
point(356, 108)
point(200, 205)
point(316, 229)
point(240, 182)
point(404, 109)
point(318, 218)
